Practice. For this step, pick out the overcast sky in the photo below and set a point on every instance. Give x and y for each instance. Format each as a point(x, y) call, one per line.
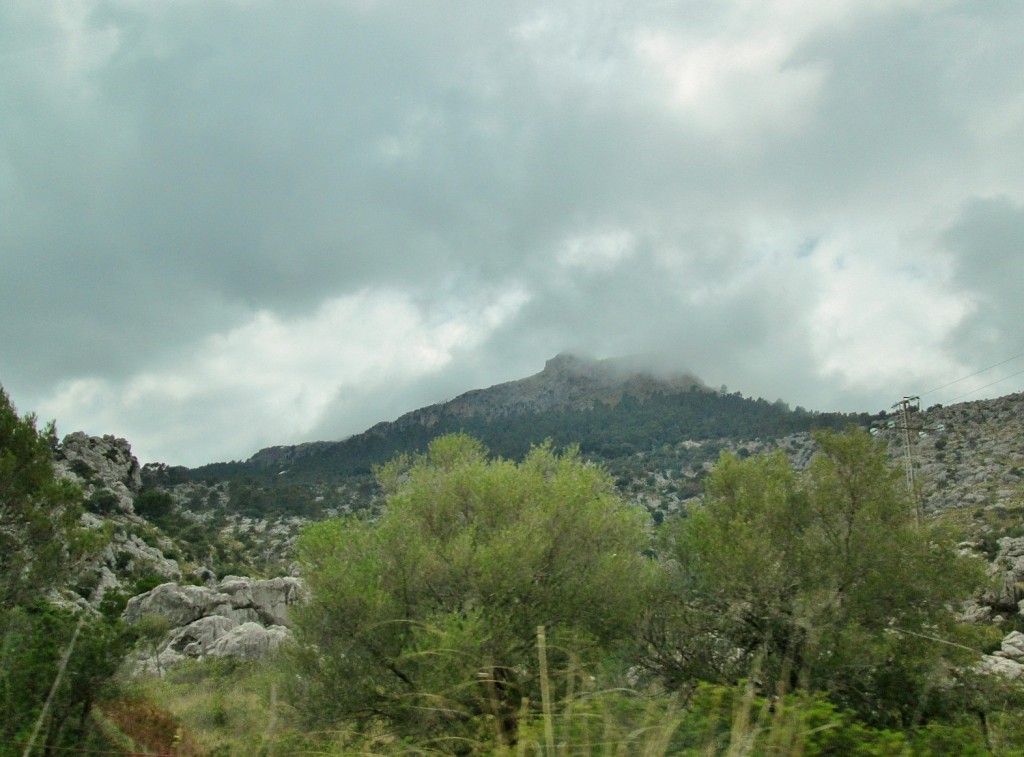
point(231, 224)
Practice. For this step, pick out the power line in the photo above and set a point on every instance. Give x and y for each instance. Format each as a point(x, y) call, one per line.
point(976, 373)
point(986, 386)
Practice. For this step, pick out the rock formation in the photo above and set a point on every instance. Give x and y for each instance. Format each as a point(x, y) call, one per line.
point(238, 617)
point(100, 462)
point(1009, 660)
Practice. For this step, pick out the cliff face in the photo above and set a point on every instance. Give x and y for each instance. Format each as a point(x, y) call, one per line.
point(111, 479)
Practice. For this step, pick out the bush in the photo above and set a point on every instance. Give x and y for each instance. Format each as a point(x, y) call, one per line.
point(154, 505)
point(825, 576)
point(102, 502)
point(428, 617)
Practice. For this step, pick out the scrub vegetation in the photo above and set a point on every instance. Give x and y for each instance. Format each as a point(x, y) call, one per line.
point(522, 606)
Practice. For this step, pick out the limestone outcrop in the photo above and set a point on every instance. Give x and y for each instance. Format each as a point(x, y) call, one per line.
point(238, 617)
point(101, 463)
point(263, 601)
point(1008, 571)
point(1008, 662)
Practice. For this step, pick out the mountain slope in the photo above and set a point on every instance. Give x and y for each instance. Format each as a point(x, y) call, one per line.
point(611, 409)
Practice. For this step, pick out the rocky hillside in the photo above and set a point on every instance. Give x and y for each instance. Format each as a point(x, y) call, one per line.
point(164, 580)
point(969, 464)
point(657, 433)
point(970, 453)
point(567, 383)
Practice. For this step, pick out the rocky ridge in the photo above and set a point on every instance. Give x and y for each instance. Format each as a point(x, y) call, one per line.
point(110, 478)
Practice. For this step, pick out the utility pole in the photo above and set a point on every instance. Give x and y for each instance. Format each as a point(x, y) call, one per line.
point(906, 406)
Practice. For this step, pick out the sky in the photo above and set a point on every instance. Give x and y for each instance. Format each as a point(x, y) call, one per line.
point(229, 224)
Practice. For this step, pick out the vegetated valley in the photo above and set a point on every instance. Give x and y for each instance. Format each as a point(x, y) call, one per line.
point(598, 559)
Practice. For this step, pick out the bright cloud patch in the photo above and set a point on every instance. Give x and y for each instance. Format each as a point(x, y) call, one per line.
point(730, 87)
point(878, 327)
point(276, 373)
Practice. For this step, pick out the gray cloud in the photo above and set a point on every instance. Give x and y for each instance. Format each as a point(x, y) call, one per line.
point(780, 197)
point(987, 240)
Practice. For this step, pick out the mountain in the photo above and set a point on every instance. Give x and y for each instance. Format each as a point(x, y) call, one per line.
point(610, 408)
point(568, 383)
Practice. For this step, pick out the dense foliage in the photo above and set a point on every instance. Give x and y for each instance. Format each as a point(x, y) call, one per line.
point(40, 540)
point(494, 606)
point(820, 584)
point(823, 580)
point(42, 546)
point(428, 617)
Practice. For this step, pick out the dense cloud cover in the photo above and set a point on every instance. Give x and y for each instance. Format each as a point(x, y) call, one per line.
point(237, 223)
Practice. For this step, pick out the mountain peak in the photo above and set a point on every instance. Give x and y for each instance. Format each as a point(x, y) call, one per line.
point(568, 381)
point(569, 362)
point(621, 369)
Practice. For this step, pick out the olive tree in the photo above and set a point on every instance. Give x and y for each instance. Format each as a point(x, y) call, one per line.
point(428, 617)
point(822, 579)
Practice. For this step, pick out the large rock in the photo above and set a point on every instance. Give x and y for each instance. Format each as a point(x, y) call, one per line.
point(238, 617)
point(1000, 666)
point(180, 605)
point(1012, 647)
point(1008, 662)
point(241, 599)
point(249, 641)
point(197, 638)
point(1008, 570)
point(269, 599)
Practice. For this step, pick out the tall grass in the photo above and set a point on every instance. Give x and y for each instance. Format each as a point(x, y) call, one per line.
point(220, 708)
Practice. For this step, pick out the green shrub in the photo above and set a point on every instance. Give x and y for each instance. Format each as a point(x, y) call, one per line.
point(102, 502)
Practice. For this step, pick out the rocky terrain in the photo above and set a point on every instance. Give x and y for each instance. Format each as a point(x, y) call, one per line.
point(110, 477)
point(970, 453)
point(173, 573)
point(104, 467)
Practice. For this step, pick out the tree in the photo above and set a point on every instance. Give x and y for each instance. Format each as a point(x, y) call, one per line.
point(428, 618)
point(822, 579)
point(41, 542)
point(42, 546)
point(36, 637)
